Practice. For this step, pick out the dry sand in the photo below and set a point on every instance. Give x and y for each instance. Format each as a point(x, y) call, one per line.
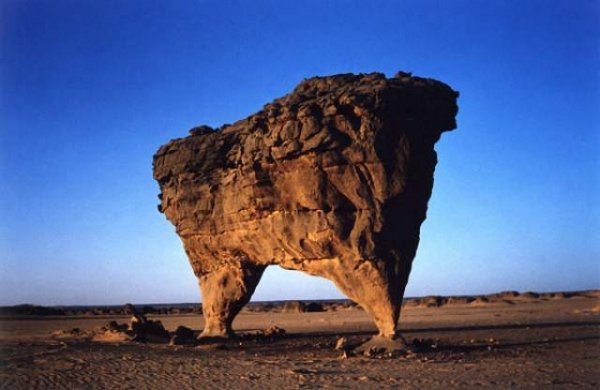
point(499, 342)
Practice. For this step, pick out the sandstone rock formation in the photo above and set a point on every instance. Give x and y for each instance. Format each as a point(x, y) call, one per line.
point(332, 179)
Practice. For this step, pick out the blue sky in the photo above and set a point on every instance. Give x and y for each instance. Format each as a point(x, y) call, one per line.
point(91, 89)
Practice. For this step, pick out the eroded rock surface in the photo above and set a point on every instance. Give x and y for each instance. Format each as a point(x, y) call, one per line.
point(332, 179)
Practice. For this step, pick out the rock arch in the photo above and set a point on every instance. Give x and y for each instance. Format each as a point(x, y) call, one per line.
point(332, 179)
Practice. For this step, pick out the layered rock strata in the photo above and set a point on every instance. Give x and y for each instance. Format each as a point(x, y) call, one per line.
point(332, 179)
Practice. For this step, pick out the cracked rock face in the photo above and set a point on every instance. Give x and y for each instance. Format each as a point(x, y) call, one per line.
point(332, 179)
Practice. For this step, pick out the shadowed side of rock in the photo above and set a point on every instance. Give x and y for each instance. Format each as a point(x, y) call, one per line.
point(332, 179)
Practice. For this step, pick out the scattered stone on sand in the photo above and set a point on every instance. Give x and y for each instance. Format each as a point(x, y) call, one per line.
point(71, 333)
point(332, 179)
point(341, 343)
point(516, 350)
point(114, 326)
point(183, 336)
point(109, 336)
point(425, 344)
point(273, 331)
point(184, 332)
point(113, 332)
point(146, 330)
point(139, 329)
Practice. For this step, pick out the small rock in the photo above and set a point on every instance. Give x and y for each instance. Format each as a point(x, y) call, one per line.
point(114, 326)
point(274, 331)
point(184, 332)
point(74, 332)
point(147, 330)
point(179, 340)
point(341, 343)
point(112, 337)
point(183, 336)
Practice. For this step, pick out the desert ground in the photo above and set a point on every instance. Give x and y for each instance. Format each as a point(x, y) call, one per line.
point(507, 340)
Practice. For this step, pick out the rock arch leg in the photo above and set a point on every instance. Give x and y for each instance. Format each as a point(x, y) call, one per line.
point(379, 288)
point(225, 291)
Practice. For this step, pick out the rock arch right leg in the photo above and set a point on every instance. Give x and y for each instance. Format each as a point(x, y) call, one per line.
point(377, 286)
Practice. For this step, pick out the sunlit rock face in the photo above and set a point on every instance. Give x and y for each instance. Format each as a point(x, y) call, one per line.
point(332, 179)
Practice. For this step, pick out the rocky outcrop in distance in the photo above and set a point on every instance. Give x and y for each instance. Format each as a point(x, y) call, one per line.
point(332, 179)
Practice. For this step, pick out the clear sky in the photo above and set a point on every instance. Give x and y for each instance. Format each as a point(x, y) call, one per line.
point(90, 90)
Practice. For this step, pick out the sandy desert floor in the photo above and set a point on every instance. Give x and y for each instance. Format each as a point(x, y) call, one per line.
point(517, 343)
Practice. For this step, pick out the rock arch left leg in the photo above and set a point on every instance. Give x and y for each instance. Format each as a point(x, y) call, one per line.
point(225, 291)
